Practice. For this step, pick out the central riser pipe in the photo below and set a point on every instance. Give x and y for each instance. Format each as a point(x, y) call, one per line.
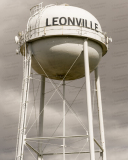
point(41, 113)
point(63, 119)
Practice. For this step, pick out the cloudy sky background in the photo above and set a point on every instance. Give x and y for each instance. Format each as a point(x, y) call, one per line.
point(113, 70)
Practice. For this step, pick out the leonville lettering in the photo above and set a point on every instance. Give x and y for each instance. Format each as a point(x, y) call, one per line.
point(72, 21)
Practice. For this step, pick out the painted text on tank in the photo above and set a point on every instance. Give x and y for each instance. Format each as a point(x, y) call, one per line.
point(72, 21)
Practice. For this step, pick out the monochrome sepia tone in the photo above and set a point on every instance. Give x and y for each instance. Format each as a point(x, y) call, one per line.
point(61, 52)
point(58, 116)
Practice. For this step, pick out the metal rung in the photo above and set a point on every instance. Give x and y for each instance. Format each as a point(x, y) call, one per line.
point(47, 154)
point(57, 137)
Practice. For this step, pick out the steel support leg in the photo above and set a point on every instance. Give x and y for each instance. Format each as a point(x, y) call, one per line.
point(89, 105)
point(63, 119)
point(100, 112)
point(23, 110)
point(41, 117)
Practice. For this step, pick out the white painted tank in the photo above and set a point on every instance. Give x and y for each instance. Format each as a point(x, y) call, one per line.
point(56, 34)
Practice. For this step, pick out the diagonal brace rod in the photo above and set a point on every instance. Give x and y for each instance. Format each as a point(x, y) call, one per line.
point(32, 149)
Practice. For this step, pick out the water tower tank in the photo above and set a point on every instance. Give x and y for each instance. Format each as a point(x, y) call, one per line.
point(57, 33)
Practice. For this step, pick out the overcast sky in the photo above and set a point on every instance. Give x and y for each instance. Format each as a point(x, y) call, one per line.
point(113, 70)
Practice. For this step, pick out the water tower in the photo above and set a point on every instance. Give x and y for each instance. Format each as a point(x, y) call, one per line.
point(61, 42)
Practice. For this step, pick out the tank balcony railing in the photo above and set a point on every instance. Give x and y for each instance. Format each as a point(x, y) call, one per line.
point(38, 32)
